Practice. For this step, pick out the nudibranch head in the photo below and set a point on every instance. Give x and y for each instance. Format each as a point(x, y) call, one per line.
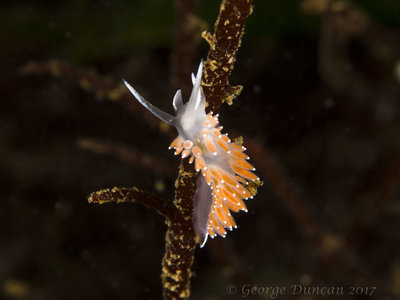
point(222, 163)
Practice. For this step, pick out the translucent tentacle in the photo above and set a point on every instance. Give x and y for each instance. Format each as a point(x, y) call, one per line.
point(196, 91)
point(177, 102)
point(193, 79)
point(167, 118)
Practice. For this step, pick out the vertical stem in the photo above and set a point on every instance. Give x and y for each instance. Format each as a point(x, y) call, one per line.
point(180, 237)
point(224, 44)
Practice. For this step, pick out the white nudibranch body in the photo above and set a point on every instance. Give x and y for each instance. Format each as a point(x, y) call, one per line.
point(222, 163)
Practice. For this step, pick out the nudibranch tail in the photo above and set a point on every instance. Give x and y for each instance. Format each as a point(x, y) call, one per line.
point(201, 208)
point(223, 165)
point(167, 118)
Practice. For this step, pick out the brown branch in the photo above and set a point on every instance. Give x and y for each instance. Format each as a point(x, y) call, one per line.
point(130, 155)
point(180, 240)
point(133, 195)
point(180, 237)
point(224, 44)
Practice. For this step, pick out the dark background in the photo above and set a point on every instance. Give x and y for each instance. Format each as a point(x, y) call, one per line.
point(321, 100)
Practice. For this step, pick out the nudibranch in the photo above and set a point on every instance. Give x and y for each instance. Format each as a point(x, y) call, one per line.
point(223, 164)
